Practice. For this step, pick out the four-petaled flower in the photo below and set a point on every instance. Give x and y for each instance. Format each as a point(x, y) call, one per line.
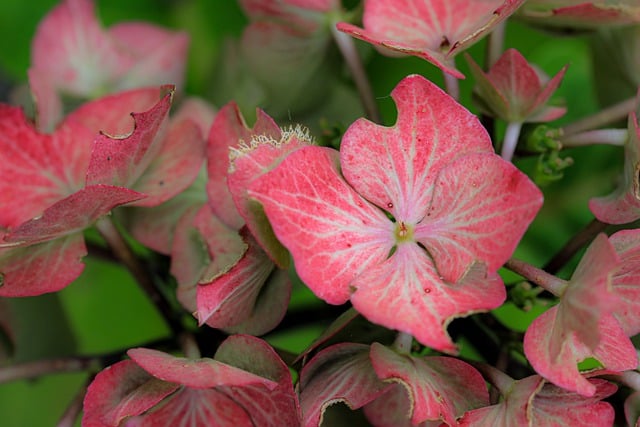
point(410, 222)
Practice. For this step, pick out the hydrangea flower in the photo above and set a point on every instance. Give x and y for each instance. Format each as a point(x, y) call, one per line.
point(73, 55)
point(245, 384)
point(411, 222)
point(435, 30)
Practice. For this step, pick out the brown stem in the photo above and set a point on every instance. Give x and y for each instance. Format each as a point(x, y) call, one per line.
point(30, 370)
point(577, 242)
point(72, 412)
point(540, 277)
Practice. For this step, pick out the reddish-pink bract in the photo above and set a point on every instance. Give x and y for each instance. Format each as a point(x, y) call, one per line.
point(582, 325)
point(342, 373)
point(344, 246)
point(229, 129)
point(435, 30)
point(626, 280)
point(439, 388)
point(72, 54)
point(581, 14)
point(513, 91)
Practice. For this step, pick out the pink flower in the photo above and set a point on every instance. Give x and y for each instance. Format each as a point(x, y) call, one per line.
point(458, 213)
point(581, 14)
point(73, 55)
point(245, 384)
point(435, 30)
point(512, 90)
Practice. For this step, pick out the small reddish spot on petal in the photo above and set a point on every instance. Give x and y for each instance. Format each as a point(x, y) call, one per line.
point(390, 205)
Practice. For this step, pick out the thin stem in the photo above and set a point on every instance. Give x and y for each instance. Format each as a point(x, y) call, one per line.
point(540, 277)
point(30, 370)
point(72, 412)
point(403, 343)
point(600, 136)
point(510, 140)
point(495, 44)
point(349, 52)
point(604, 117)
point(451, 85)
point(124, 253)
point(578, 241)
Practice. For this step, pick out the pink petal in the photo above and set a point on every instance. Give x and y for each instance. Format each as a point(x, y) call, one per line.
point(513, 409)
point(340, 373)
point(112, 114)
point(332, 233)
point(120, 391)
point(553, 406)
point(230, 299)
point(123, 161)
point(623, 205)
point(393, 409)
point(440, 388)
point(38, 169)
point(203, 249)
point(195, 373)
point(72, 214)
point(249, 163)
point(582, 14)
point(41, 268)
point(480, 208)
point(435, 30)
point(406, 293)
point(159, 55)
point(228, 130)
point(538, 112)
point(270, 408)
point(626, 280)
point(396, 168)
point(517, 80)
point(614, 351)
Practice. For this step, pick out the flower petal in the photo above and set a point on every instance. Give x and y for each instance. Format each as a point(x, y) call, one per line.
point(332, 233)
point(439, 388)
point(395, 168)
point(340, 373)
point(480, 208)
point(626, 280)
point(41, 268)
point(406, 293)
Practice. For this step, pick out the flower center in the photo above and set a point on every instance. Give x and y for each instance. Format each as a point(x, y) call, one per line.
point(403, 232)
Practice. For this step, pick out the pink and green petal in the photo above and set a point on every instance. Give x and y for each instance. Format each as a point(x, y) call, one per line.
point(395, 168)
point(435, 30)
point(332, 233)
point(393, 409)
point(340, 373)
point(480, 208)
point(249, 162)
point(623, 205)
point(38, 169)
point(439, 388)
point(41, 268)
point(626, 280)
point(158, 56)
point(72, 214)
point(555, 407)
point(203, 249)
point(229, 129)
point(614, 351)
point(270, 408)
point(122, 160)
point(581, 14)
point(195, 373)
point(121, 391)
point(406, 293)
point(231, 299)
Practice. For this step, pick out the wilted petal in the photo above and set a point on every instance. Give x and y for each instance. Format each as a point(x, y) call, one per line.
point(480, 208)
point(340, 373)
point(406, 293)
point(396, 168)
point(440, 388)
point(332, 233)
